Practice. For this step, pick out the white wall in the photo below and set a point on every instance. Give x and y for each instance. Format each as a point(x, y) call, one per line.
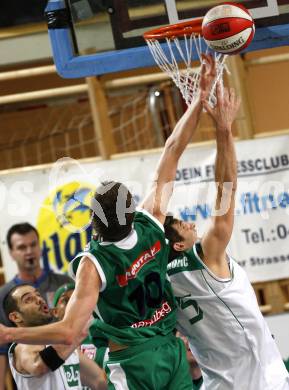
point(36, 46)
point(279, 326)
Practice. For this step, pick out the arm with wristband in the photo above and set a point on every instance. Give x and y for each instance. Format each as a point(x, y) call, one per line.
point(37, 360)
point(76, 319)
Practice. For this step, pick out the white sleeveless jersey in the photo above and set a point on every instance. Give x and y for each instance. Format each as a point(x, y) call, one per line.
point(66, 377)
point(226, 330)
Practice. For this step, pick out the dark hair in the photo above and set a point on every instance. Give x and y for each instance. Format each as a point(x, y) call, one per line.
point(9, 303)
point(109, 219)
point(20, 228)
point(172, 235)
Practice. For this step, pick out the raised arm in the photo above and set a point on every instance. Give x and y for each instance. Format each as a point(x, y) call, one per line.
point(158, 198)
point(77, 315)
point(217, 237)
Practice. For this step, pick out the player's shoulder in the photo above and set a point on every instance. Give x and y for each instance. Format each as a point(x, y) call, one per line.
point(188, 260)
point(236, 268)
point(194, 255)
point(142, 216)
point(91, 246)
point(18, 349)
point(12, 348)
point(96, 255)
point(20, 352)
point(13, 353)
point(91, 251)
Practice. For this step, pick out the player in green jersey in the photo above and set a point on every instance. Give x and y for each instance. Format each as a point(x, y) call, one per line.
point(124, 271)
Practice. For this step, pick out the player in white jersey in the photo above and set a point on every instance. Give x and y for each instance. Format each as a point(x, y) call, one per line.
point(217, 307)
point(40, 367)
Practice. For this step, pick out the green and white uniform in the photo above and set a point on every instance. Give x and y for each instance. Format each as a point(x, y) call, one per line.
point(136, 305)
point(66, 377)
point(226, 330)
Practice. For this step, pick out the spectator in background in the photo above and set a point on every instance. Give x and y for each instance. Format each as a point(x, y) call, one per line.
point(42, 367)
point(24, 247)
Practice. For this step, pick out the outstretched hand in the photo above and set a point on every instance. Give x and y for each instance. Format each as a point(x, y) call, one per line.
point(207, 75)
point(225, 111)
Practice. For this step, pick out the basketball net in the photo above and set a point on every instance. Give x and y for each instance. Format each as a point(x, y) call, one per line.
point(179, 46)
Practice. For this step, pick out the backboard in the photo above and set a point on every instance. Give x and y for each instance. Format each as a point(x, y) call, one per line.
point(93, 37)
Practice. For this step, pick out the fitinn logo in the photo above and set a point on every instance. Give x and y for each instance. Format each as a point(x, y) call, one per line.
point(138, 263)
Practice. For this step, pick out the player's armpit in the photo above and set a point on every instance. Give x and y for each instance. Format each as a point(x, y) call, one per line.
point(217, 236)
point(213, 254)
point(28, 361)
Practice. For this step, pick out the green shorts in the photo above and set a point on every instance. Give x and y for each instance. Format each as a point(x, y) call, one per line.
point(159, 364)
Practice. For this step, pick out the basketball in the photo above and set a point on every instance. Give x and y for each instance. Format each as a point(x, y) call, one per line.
point(228, 28)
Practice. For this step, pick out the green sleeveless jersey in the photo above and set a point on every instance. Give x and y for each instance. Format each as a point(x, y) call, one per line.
point(136, 300)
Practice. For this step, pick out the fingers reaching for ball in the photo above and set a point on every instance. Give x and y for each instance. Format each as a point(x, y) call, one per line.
point(227, 105)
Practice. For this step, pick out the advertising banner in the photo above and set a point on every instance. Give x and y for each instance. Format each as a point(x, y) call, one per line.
point(57, 202)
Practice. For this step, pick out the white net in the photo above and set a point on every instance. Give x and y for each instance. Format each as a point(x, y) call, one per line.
point(180, 50)
point(41, 132)
point(132, 120)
